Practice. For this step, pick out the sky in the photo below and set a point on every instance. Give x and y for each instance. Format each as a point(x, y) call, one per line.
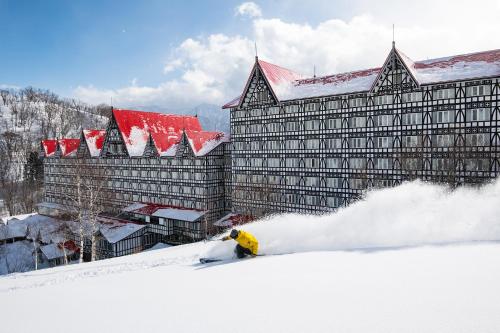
point(179, 54)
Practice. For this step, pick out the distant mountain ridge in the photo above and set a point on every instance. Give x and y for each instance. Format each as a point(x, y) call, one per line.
point(212, 117)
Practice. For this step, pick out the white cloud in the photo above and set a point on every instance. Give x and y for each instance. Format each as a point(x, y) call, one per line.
point(249, 9)
point(214, 68)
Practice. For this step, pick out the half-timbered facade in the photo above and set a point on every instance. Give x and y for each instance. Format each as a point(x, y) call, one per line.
point(309, 145)
point(142, 157)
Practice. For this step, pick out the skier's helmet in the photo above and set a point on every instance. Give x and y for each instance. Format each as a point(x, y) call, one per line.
point(234, 234)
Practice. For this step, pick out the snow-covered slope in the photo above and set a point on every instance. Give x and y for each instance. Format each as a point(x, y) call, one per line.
point(415, 258)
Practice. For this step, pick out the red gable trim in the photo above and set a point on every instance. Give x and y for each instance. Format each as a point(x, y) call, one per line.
point(49, 146)
point(203, 142)
point(94, 140)
point(68, 146)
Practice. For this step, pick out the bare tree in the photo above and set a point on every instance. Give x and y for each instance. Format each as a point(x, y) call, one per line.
point(88, 202)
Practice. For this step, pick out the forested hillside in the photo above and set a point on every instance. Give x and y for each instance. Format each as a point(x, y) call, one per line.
point(27, 116)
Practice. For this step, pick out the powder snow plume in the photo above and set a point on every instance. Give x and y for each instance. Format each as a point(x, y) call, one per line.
point(412, 214)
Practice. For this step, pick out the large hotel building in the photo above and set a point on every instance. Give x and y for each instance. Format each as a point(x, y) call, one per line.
point(296, 145)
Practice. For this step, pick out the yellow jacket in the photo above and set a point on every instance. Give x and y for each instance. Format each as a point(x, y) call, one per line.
point(246, 240)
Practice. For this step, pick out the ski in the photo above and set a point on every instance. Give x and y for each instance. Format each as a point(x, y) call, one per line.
point(209, 260)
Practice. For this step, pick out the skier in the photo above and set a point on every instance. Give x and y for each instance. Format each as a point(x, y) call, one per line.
point(247, 243)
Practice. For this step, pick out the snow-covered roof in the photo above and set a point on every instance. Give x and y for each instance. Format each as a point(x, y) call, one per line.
point(232, 219)
point(117, 231)
point(189, 215)
point(55, 251)
point(459, 67)
point(134, 206)
point(94, 140)
point(49, 147)
point(12, 230)
point(165, 129)
point(203, 142)
point(68, 146)
point(165, 211)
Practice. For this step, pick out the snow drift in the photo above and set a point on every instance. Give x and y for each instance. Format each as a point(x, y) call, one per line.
point(412, 214)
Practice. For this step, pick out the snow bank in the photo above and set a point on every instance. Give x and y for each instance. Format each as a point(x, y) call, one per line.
point(412, 214)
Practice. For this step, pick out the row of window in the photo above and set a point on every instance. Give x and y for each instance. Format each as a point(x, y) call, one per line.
point(438, 117)
point(330, 163)
point(438, 140)
point(416, 96)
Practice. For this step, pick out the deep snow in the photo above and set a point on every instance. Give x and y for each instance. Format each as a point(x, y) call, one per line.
point(409, 259)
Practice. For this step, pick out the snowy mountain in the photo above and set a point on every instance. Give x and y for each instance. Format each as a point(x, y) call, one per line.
point(415, 258)
point(212, 117)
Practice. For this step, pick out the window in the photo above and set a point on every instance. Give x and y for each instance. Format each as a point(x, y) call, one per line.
point(478, 90)
point(357, 122)
point(382, 163)
point(444, 116)
point(273, 145)
point(479, 139)
point(292, 126)
point(383, 120)
point(480, 114)
point(273, 127)
point(357, 183)
point(334, 202)
point(332, 105)
point(445, 140)
point(334, 182)
point(444, 93)
point(312, 200)
point(292, 162)
point(292, 180)
point(312, 107)
point(312, 143)
point(411, 141)
point(312, 125)
point(415, 96)
point(477, 164)
point(311, 181)
point(412, 163)
point(333, 163)
point(334, 143)
point(385, 99)
point(382, 142)
point(357, 163)
point(356, 102)
point(273, 162)
point(311, 162)
point(291, 108)
point(334, 123)
point(443, 164)
point(255, 112)
point(292, 144)
point(412, 119)
point(357, 142)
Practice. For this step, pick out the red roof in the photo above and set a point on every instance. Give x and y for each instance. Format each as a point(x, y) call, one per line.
point(95, 140)
point(203, 142)
point(70, 245)
point(68, 146)
point(49, 146)
point(486, 56)
point(165, 129)
point(276, 74)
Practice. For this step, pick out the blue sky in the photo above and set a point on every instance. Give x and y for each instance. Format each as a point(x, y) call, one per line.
point(145, 52)
point(62, 44)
